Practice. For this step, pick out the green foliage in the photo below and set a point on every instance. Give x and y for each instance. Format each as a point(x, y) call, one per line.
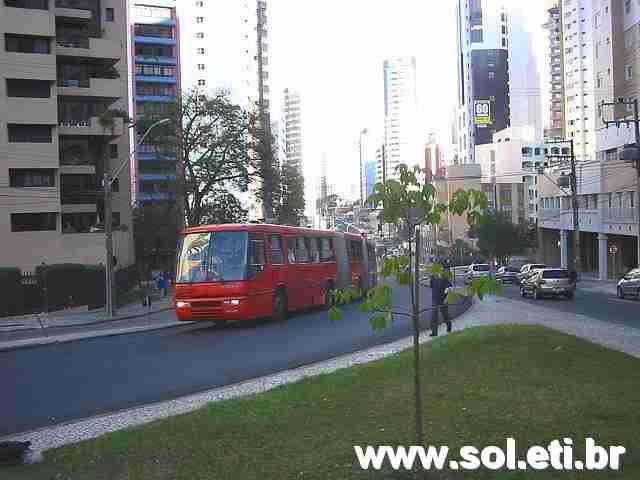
point(264, 165)
point(290, 210)
point(155, 233)
point(498, 237)
point(209, 135)
point(223, 207)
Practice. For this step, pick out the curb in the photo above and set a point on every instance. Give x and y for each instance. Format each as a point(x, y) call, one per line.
point(78, 430)
point(73, 337)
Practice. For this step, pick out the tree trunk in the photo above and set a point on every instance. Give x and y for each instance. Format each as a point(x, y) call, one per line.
point(417, 387)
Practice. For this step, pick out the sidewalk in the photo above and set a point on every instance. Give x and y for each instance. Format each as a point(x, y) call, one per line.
point(34, 330)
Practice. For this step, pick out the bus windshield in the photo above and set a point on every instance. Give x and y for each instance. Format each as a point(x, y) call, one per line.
point(212, 257)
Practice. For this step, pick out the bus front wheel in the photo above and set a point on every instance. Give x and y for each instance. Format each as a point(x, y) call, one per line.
point(280, 306)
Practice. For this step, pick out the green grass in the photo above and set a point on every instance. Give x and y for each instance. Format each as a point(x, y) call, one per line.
point(480, 387)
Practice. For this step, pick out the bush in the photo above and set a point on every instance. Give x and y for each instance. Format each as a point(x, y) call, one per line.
point(85, 284)
point(12, 298)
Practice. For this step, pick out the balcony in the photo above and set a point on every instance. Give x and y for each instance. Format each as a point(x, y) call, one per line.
point(27, 21)
point(156, 79)
point(90, 126)
point(91, 87)
point(154, 40)
point(32, 110)
point(153, 60)
point(75, 9)
point(156, 98)
point(90, 48)
point(620, 215)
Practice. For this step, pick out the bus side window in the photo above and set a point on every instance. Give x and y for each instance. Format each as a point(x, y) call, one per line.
point(302, 255)
point(326, 253)
point(314, 252)
point(275, 249)
point(291, 250)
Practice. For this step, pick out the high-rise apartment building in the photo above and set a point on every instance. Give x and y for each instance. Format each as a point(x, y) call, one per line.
point(497, 73)
point(554, 27)
point(400, 114)
point(293, 128)
point(63, 98)
point(157, 89)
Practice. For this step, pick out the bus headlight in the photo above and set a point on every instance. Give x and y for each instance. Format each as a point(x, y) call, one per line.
point(183, 305)
point(232, 302)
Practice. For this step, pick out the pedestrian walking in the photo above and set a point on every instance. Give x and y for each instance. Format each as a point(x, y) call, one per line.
point(439, 288)
point(162, 284)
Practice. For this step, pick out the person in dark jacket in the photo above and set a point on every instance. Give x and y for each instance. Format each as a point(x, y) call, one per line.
point(439, 288)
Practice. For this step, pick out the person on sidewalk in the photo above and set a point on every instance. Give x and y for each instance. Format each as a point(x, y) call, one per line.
point(162, 284)
point(439, 287)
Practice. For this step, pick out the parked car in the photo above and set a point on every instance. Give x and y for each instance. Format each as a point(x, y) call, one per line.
point(477, 270)
point(629, 285)
point(527, 270)
point(507, 274)
point(551, 282)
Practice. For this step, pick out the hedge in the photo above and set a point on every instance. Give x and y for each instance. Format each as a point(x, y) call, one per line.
point(84, 284)
point(12, 297)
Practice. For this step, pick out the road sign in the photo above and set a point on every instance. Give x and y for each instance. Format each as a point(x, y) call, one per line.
point(482, 112)
point(613, 250)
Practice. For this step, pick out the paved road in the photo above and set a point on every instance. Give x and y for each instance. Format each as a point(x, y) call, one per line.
point(56, 383)
point(600, 306)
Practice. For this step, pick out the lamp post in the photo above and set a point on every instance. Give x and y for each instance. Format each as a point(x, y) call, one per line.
point(108, 226)
point(362, 192)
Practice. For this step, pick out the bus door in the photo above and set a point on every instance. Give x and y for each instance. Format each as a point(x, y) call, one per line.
point(277, 261)
point(315, 276)
point(296, 256)
point(260, 277)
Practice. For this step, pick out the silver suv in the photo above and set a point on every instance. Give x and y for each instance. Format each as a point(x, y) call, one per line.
point(629, 285)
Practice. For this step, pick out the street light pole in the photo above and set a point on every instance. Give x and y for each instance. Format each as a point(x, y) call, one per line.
point(108, 181)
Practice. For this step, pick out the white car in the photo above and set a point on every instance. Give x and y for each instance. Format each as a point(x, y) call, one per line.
point(477, 270)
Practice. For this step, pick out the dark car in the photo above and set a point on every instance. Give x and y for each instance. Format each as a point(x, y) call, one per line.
point(507, 274)
point(549, 282)
point(629, 285)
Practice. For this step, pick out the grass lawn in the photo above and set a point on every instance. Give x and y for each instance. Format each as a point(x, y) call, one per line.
point(480, 386)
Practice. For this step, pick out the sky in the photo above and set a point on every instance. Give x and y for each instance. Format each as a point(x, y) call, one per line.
point(332, 52)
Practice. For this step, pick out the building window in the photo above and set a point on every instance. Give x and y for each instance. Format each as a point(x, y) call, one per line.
point(199, 19)
point(152, 12)
point(110, 15)
point(627, 6)
point(113, 150)
point(26, 44)
point(628, 72)
point(504, 42)
point(201, 82)
point(476, 35)
point(491, 75)
point(34, 222)
point(200, 3)
point(201, 66)
point(161, 31)
point(36, 177)
point(32, 4)
point(200, 35)
point(28, 88)
point(19, 133)
point(200, 51)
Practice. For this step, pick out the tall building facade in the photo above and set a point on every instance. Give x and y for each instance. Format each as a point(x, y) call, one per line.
point(63, 102)
point(293, 128)
point(400, 114)
point(497, 73)
point(157, 90)
point(554, 27)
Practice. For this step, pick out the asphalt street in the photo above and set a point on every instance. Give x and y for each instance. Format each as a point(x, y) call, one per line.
point(52, 384)
point(600, 306)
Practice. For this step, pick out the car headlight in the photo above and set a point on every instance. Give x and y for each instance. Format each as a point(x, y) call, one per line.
point(183, 305)
point(234, 301)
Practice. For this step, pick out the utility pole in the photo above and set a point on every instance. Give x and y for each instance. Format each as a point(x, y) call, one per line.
point(630, 153)
point(573, 181)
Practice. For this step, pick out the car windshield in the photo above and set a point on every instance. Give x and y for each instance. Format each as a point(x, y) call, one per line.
point(481, 268)
point(538, 266)
point(555, 274)
point(212, 257)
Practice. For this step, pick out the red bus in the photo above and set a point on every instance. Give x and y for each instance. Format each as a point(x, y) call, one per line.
point(249, 271)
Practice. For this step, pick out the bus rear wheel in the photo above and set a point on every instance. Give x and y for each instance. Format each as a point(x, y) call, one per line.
point(280, 308)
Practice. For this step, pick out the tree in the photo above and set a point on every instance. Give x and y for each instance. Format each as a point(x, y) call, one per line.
point(265, 168)
point(210, 135)
point(155, 233)
point(291, 208)
point(224, 207)
point(498, 237)
point(408, 203)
